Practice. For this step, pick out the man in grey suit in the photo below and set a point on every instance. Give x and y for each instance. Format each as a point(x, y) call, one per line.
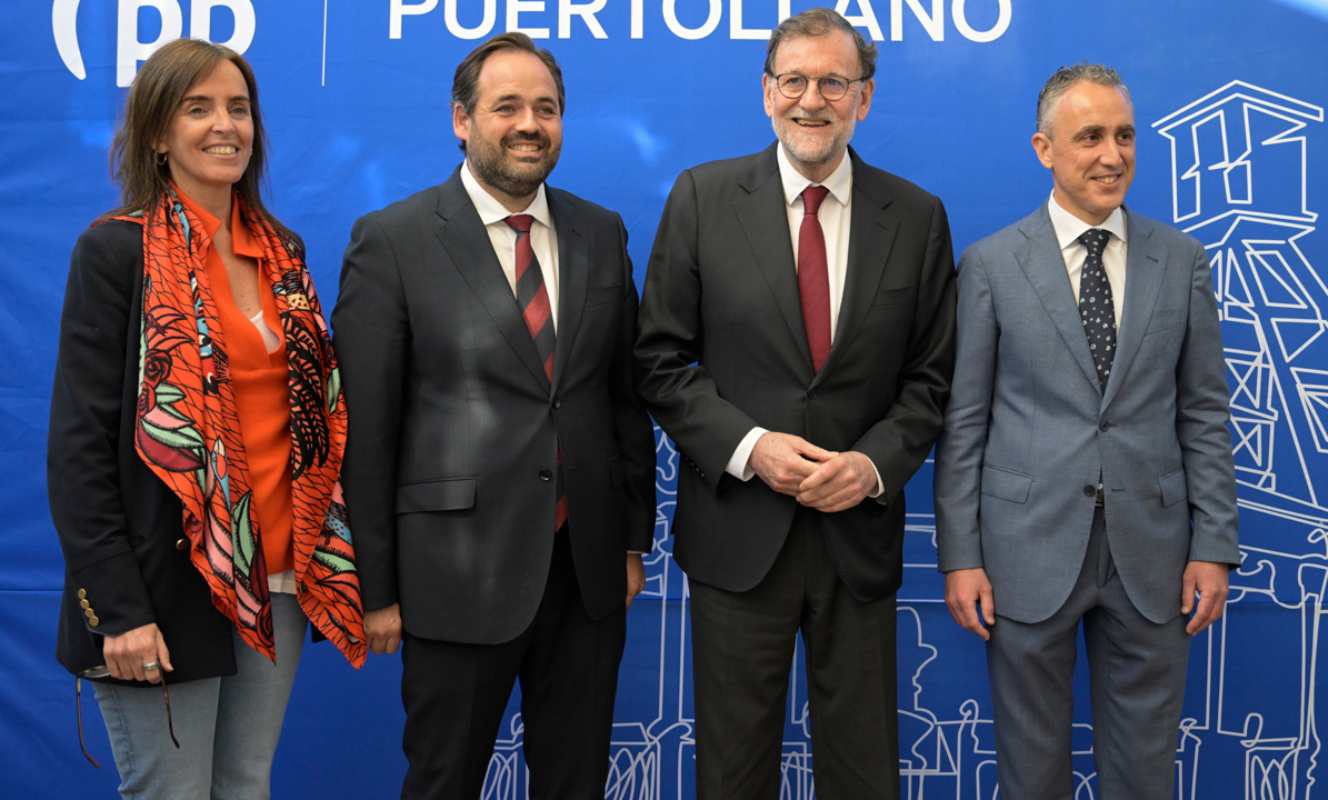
point(1085, 471)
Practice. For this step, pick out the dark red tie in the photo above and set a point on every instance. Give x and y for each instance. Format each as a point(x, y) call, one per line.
point(814, 277)
point(533, 300)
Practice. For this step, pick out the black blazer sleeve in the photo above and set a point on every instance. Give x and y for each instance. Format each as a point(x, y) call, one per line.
point(900, 441)
point(636, 442)
point(371, 332)
point(82, 459)
point(679, 390)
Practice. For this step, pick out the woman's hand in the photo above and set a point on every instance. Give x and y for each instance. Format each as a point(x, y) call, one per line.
point(139, 654)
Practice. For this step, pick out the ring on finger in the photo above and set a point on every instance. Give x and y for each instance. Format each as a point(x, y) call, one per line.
point(151, 665)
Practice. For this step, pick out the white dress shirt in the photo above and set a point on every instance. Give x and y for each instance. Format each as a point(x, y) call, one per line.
point(835, 216)
point(1069, 228)
point(543, 238)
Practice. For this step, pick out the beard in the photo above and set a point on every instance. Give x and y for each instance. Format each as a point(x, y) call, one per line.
point(496, 167)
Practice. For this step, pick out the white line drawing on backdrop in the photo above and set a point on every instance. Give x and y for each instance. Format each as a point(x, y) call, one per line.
point(1240, 180)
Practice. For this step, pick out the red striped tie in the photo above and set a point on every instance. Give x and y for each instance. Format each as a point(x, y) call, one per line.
point(533, 299)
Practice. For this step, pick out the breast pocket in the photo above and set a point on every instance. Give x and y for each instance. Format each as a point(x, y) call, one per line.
point(1165, 320)
point(903, 295)
point(598, 296)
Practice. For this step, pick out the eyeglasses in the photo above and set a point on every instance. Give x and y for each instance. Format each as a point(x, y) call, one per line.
point(794, 85)
point(102, 672)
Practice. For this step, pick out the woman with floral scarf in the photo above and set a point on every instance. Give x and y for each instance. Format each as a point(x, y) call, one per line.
point(197, 432)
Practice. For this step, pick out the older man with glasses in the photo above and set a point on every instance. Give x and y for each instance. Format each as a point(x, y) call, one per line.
point(798, 326)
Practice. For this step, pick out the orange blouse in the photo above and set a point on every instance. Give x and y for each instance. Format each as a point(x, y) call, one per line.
point(262, 400)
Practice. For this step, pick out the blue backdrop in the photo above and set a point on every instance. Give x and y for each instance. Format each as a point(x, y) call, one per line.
point(1229, 101)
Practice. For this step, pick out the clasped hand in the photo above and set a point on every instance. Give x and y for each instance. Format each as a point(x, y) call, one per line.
point(821, 479)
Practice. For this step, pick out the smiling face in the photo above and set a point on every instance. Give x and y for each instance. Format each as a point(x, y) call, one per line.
point(515, 132)
point(211, 136)
point(814, 132)
point(1089, 149)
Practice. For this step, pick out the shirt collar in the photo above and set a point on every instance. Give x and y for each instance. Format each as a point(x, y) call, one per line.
point(1069, 228)
point(491, 211)
point(242, 243)
point(839, 182)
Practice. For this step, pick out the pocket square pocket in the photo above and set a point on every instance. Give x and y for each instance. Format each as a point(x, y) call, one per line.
point(603, 295)
point(894, 297)
point(1165, 320)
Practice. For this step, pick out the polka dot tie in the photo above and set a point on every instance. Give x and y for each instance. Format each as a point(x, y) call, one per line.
point(1096, 308)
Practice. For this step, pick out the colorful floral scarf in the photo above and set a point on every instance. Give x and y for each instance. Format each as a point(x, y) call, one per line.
point(187, 432)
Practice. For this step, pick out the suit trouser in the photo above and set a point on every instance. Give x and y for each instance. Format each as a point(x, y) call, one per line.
point(455, 695)
point(743, 648)
point(1137, 674)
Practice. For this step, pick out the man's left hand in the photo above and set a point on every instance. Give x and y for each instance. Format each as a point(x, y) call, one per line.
point(636, 577)
point(839, 483)
point(1209, 581)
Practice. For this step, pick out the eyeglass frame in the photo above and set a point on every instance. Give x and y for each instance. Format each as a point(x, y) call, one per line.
point(817, 80)
point(102, 671)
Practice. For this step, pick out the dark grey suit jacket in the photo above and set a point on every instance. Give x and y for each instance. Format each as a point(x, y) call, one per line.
point(455, 433)
point(722, 349)
point(1028, 432)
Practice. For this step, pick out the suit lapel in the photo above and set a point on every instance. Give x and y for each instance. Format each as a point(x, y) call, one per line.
point(871, 235)
point(764, 221)
point(573, 273)
point(1044, 267)
point(466, 242)
point(1144, 267)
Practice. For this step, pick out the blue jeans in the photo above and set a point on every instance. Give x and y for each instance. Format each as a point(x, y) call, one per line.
point(227, 727)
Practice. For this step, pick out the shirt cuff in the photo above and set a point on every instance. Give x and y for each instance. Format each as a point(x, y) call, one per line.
point(738, 465)
point(880, 485)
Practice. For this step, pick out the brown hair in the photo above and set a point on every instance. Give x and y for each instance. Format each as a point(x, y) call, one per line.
point(819, 22)
point(466, 80)
point(154, 97)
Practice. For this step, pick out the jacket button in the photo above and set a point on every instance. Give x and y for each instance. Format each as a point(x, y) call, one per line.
point(93, 621)
point(1104, 425)
point(557, 403)
point(89, 613)
point(82, 593)
point(545, 475)
point(181, 544)
point(1090, 491)
point(84, 604)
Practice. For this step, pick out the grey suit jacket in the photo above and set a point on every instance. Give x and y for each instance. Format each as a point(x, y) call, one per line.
point(1028, 432)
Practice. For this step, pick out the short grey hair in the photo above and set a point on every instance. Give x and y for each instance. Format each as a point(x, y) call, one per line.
point(1065, 77)
point(819, 22)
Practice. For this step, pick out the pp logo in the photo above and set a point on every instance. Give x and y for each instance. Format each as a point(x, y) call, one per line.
point(129, 50)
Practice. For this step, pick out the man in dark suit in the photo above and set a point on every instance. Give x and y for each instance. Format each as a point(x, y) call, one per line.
point(500, 469)
point(797, 326)
point(1086, 474)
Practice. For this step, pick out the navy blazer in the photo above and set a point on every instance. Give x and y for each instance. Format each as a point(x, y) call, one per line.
point(120, 527)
